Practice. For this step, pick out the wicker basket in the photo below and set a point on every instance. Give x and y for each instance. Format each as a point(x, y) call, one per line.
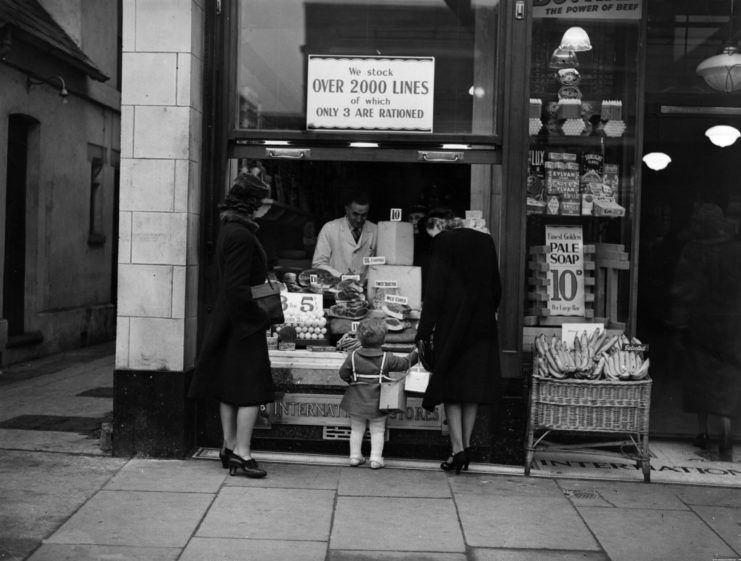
point(590, 405)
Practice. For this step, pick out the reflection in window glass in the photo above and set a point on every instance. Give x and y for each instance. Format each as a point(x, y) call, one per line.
point(275, 39)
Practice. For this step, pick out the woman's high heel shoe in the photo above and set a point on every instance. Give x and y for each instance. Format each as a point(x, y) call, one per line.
point(249, 467)
point(224, 455)
point(457, 462)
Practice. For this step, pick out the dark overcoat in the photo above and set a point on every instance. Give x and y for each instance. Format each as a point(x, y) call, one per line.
point(460, 300)
point(707, 292)
point(233, 363)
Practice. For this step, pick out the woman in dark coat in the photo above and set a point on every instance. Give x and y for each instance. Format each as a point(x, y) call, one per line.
point(233, 364)
point(707, 314)
point(460, 302)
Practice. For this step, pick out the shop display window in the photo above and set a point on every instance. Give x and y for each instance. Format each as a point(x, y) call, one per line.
point(276, 39)
point(305, 195)
point(581, 186)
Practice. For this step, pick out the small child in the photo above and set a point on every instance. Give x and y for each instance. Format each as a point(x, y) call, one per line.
point(361, 370)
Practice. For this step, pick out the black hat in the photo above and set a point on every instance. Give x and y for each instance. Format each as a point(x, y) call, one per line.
point(247, 186)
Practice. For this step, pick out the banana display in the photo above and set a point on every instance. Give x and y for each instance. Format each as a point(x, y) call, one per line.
point(598, 356)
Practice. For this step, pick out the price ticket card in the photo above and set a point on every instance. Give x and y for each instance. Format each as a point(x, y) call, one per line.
point(386, 284)
point(374, 260)
point(395, 299)
point(296, 304)
point(350, 277)
point(395, 215)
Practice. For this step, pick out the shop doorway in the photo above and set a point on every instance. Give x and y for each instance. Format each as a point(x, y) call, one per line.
point(14, 268)
point(700, 173)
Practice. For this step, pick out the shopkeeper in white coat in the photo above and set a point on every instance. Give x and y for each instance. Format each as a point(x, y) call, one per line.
point(344, 242)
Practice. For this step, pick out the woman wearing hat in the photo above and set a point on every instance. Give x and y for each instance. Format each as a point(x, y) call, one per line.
point(233, 364)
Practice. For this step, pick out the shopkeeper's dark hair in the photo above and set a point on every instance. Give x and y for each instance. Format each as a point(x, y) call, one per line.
point(357, 196)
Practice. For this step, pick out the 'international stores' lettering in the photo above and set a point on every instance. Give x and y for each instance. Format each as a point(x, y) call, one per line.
point(324, 409)
point(633, 466)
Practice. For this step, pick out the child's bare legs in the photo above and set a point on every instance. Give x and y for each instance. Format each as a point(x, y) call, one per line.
point(378, 436)
point(357, 430)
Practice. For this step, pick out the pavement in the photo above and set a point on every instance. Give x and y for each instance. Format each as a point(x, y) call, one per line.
point(63, 498)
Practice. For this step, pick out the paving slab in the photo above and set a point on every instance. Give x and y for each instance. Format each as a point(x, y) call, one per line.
point(230, 549)
point(270, 513)
point(535, 555)
point(168, 475)
point(16, 549)
point(396, 524)
point(726, 521)
point(49, 441)
point(712, 496)
point(653, 535)
point(289, 476)
point(138, 518)
point(505, 486)
point(623, 494)
point(61, 552)
point(39, 491)
point(523, 522)
point(362, 481)
point(342, 555)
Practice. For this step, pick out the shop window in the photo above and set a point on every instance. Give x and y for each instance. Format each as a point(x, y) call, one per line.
point(96, 158)
point(582, 190)
point(455, 44)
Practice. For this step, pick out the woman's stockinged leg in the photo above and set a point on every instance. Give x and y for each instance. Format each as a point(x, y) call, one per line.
point(228, 415)
point(468, 421)
point(454, 415)
point(246, 417)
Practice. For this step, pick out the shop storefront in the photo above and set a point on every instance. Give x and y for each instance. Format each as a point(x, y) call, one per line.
point(528, 116)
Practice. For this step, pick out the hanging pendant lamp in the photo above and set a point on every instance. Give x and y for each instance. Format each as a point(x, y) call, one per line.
point(576, 39)
point(722, 72)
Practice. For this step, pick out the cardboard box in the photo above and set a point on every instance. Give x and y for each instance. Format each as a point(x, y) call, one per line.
point(396, 242)
point(408, 281)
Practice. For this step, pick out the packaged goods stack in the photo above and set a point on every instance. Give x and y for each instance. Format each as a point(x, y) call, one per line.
point(395, 287)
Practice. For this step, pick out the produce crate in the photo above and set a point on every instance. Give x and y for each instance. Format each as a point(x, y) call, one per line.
point(590, 406)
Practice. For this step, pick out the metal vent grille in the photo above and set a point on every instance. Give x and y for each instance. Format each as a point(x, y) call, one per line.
point(343, 433)
point(584, 494)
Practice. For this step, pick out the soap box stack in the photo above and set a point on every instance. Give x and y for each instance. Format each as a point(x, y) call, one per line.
point(398, 280)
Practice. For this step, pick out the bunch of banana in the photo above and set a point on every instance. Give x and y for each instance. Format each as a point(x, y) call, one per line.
point(625, 365)
point(348, 342)
point(554, 359)
point(593, 357)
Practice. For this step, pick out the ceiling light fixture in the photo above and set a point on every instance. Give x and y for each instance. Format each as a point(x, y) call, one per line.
point(722, 72)
point(656, 160)
point(722, 135)
point(575, 39)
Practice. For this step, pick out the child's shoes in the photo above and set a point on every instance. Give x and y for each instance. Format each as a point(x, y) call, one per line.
point(376, 464)
point(355, 461)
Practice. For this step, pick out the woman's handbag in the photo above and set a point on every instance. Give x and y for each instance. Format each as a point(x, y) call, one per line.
point(416, 380)
point(267, 298)
point(426, 355)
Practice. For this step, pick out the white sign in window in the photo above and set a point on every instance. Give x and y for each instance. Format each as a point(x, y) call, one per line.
point(370, 93)
point(565, 259)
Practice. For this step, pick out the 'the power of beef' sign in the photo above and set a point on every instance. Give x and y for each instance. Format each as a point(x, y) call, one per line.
point(587, 9)
point(370, 93)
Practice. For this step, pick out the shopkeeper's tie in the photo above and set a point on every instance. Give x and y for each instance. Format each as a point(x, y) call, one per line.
point(356, 234)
